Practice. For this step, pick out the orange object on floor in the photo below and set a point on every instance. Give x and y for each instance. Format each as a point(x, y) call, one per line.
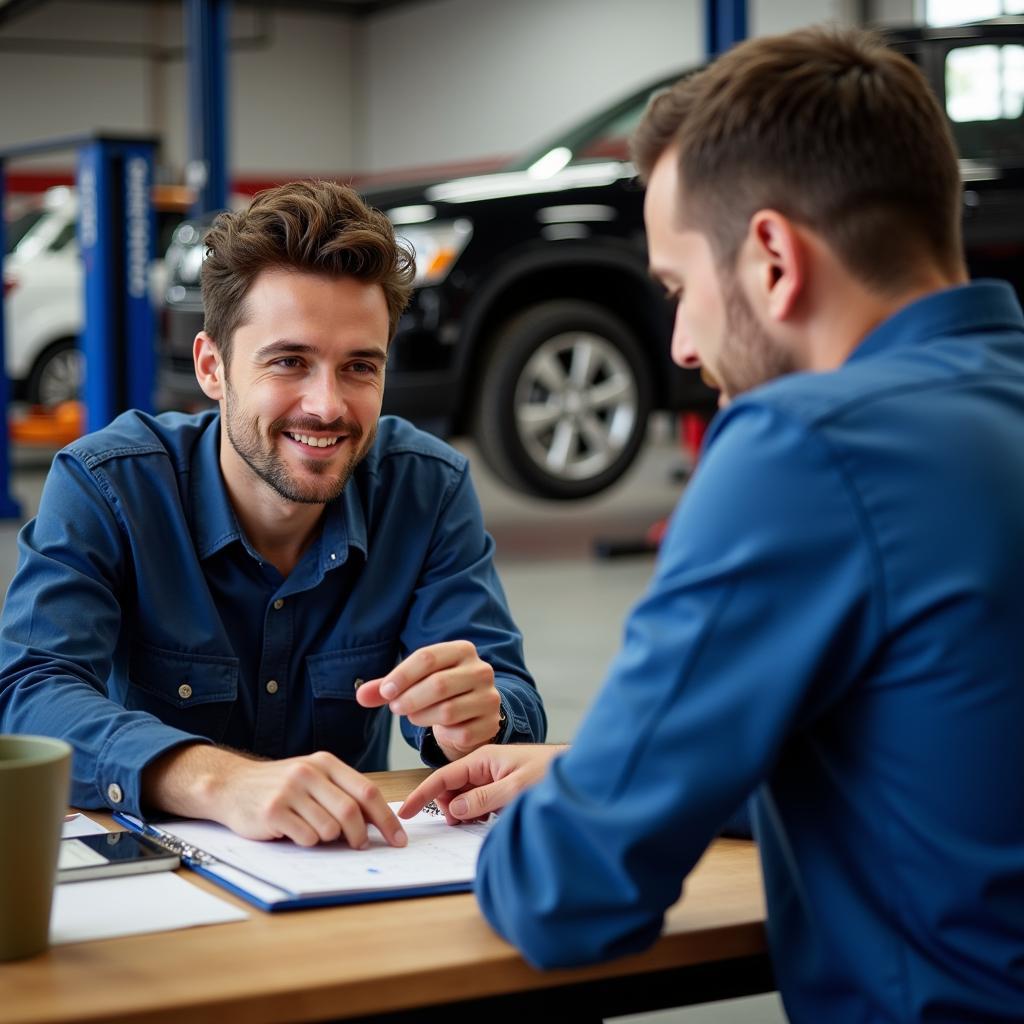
point(54, 427)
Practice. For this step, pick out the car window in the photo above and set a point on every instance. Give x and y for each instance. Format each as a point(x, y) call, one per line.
point(19, 227)
point(612, 140)
point(166, 223)
point(65, 236)
point(985, 100)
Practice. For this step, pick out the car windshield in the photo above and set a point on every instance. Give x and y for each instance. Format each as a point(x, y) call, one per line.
point(16, 229)
point(604, 136)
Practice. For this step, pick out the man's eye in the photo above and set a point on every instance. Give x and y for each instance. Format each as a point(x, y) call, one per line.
point(363, 368)
point(288, 362)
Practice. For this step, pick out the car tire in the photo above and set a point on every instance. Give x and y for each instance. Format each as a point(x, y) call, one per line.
point(563, 401)
point(57, 375)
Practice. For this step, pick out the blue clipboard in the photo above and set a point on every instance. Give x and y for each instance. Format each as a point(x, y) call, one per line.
point(269, 895)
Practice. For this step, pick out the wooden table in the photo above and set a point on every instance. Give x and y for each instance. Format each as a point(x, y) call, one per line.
point(395, 959)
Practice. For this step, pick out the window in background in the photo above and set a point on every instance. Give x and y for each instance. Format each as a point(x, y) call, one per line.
point(956, 12)
point(985, 100)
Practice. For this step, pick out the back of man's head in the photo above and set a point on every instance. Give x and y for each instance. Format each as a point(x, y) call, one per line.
point(316, 227)
point(827, 126)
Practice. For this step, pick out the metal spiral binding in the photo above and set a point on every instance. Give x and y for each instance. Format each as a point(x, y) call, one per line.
point(184, 850)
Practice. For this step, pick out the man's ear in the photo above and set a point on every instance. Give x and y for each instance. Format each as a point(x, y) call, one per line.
point(209, 366)
point(774, 264)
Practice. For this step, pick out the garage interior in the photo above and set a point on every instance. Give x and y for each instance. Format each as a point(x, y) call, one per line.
point(378, 92)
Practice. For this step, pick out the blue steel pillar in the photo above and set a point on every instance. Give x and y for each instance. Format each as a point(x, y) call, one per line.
point(725, 24)
point(116, 232)
point(206, 40)
point(9, 508)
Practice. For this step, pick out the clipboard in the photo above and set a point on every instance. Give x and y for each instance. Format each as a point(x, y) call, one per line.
point(279, 875)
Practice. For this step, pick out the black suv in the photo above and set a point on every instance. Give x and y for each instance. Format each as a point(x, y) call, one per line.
point(535, 326)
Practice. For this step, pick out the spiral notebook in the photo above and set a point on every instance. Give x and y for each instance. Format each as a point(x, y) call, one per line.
point(280, 875)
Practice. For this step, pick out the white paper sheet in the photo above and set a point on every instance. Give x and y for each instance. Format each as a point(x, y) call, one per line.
point(133, 905)
point(80, 825)
point(437, 854)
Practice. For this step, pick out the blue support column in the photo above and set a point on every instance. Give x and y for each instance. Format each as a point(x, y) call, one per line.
point(9, 508)
point(206, 40)
point(116, 238)
point(725, 24)
point(139, 242)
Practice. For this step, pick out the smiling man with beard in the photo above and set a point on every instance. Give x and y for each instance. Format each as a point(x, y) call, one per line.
point(219, 611)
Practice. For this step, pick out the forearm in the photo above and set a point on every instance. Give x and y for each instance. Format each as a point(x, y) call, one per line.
point(188, 780)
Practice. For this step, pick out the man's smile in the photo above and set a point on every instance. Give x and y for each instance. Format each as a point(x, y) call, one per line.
point(313, 441)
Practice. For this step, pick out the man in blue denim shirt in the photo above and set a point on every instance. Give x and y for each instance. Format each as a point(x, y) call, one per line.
point(271, 579)
point(836, 620)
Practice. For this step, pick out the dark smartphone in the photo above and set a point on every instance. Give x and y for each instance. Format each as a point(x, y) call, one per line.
point(111, 853)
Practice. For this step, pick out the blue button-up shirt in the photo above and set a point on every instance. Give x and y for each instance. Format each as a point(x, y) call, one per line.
point(837, 614)
point(140, 616)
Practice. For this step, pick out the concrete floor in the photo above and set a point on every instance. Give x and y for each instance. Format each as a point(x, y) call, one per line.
point(569, 604)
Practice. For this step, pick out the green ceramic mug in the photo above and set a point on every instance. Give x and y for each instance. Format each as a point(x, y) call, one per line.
point(34, 781)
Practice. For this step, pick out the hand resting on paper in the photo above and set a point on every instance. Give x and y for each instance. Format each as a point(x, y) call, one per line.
point(482, 782)
point(310, 799)
point(446, 686)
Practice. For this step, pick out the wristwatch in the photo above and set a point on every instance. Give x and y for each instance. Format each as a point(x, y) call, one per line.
point(502, 724)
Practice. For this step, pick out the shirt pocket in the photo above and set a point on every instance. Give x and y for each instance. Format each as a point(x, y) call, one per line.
point(340, 725)
point(192, 692)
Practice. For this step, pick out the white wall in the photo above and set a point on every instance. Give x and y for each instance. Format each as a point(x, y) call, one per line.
point(431, 83)
point(454, 79)
point(290, 101)
point(767, 17)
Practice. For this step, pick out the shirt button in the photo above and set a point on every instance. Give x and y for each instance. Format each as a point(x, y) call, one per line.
point(279, 604)
point(333, 556)
point(114, 794)
point(271, 686)
point(184, 691)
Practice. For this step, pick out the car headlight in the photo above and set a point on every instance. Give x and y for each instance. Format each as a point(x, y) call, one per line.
point(437, 246)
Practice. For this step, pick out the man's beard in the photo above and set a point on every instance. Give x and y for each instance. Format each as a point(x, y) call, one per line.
point(263, 458)
point(749, 356)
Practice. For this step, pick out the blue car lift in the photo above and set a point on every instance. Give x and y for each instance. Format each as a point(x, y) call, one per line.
point(116, 229)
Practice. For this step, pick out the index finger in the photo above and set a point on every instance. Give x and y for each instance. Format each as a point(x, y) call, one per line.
point(371, 801)
point(454, 776)
point(424, 661)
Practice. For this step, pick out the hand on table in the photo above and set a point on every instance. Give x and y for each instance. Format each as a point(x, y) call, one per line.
point(311, 799)
point(484, 781)
point(444, 686)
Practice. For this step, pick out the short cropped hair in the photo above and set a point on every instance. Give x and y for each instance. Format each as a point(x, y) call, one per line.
point(317, 227)
point(829, 127)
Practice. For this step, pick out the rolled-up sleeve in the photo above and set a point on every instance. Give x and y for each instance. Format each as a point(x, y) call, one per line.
point(58, 635)
point(764, 606)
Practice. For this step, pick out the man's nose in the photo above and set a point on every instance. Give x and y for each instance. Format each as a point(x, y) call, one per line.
point(684, 353)
point(324, 397)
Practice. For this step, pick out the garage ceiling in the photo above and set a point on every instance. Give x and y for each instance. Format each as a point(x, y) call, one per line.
point(11, 9)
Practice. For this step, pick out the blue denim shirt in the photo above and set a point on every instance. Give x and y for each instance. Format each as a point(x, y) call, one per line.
point(837, 618)
point(140, 616)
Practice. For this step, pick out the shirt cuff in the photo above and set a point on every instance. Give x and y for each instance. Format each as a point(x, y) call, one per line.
point(125, 756)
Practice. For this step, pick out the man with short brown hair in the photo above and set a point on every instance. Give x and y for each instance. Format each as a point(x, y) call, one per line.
point(210, 608)
point(835, 618)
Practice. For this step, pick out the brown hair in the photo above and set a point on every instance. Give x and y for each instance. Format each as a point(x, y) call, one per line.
point(829, 127)
point(315, 226)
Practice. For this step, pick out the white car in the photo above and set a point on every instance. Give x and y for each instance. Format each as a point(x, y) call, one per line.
point(43, 296)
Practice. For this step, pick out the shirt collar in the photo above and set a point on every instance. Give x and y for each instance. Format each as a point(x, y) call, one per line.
point(215, 523)
point(978, 306)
